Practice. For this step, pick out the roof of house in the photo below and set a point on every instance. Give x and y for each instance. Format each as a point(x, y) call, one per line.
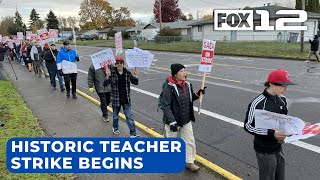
point(104, 30)
point(121, 28)
point(136, 28)
point(272, 9)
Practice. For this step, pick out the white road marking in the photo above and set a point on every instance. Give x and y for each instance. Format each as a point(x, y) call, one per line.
point(301, 144)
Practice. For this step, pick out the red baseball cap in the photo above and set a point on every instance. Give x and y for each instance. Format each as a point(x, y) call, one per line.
point(119, 58)
point(280, 76)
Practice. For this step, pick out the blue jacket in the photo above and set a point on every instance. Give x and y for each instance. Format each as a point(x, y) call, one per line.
point(66, 60)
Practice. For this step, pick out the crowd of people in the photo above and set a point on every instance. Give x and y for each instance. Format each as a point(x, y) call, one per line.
point(112, 84)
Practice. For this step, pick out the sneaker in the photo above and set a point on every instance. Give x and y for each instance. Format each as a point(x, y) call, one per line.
point(62, 89)
point(68, 94)
point(74, 96)
point(116, 131)
point(135, 135)
point(54, 88)
point(192, 167)
point(307, 61)
point(105, 119)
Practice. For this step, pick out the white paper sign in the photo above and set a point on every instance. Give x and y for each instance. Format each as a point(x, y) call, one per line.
point(28, 34)
point(138, 58)
point(0, 38)
point(307, 132)
point(269, 120)
point(20, 35)
point(102, 58)
point(118, 41)
point(53, 34)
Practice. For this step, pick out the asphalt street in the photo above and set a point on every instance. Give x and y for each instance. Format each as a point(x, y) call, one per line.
point(232, 84)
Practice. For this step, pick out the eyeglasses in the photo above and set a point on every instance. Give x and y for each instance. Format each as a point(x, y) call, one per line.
point(119, 63)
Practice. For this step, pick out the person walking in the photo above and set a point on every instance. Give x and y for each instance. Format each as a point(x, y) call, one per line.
point(120, 80)
point(267, 142)
point(3, 50)
point(35, 53)
point(67, 67)
point(51, 65)
point(97, 78)
point(314, 48)
point(177, 105)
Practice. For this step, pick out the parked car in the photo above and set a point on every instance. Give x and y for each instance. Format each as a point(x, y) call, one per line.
point(89, 37)
point(77, 38)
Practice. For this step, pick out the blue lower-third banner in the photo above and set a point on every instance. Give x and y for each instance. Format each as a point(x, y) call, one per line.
point(96, 155)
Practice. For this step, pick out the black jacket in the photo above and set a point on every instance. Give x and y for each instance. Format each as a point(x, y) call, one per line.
point(3, 50)
point(314, 44)
point(50, 62)
point(264, 141)
point(171, 104)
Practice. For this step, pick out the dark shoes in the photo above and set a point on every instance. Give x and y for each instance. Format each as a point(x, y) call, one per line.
point(74, 96)
point(68, 94)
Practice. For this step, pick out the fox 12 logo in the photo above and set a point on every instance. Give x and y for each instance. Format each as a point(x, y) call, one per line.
point(244, 20)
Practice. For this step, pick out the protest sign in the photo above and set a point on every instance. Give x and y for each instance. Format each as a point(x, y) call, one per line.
point(270, 120)
point(28, 35)
point(205, 66)
point(118, 41)
point(0, 38)
point(307, 132)
point(20, 35)
point(102, 58)
point(138, 58)
point(53, 34)
point(95, 155)
point(44, 36)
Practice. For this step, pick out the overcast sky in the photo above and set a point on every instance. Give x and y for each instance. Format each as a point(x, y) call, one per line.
point(140, 9)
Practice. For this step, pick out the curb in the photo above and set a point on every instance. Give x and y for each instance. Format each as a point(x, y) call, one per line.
point(199, 159)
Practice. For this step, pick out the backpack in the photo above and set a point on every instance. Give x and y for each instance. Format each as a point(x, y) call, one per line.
point(160, 100)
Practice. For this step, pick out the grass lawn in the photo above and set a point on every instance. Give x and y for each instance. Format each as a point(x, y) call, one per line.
point(19, 122)
point(253, 49)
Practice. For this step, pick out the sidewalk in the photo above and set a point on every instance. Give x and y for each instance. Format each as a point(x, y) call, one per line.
point(62, 117)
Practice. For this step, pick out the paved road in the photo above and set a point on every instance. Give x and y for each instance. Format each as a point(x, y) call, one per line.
point(232, 84)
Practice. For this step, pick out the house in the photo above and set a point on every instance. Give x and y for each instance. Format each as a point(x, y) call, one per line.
point(103, 34)
point(205, 29)
point(135, 31)
point(65, 34)
point(149, 31)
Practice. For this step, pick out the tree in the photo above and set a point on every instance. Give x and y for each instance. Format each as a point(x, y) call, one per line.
point(72, 21)
point(34, 17)
point(18, 22)
point(183, 17)
point(7, 25)
point(121, 17)
point(310, 5)
point(63, 22)
point(207, 16)
point(170, 11)
point(95, 13)
point(52, 21)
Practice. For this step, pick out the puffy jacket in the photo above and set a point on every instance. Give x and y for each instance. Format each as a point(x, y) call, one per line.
point(264, 141)
point(66, 60)
point(172, 107)
point(97, 79)
point(36, 53)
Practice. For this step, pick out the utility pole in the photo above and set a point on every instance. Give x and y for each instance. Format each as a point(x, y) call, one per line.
point(302, 32)
point(160, 14)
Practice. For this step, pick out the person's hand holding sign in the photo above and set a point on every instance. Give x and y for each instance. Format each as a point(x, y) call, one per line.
point(107, 70)
point(136, 73)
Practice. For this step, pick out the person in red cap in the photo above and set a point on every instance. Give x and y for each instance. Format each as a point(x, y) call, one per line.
point(120, 79)
point(267, 142)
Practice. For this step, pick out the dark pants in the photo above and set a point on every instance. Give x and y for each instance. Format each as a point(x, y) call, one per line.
point(104, 102)
point(53, 75)
point(271, 166)
point(127, 113)
point(73, 78)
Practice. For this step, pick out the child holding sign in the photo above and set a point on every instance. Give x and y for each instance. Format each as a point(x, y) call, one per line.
point(267, 142)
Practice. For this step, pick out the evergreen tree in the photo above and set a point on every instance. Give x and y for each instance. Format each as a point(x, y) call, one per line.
point(52, 21)
point(34, 18)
